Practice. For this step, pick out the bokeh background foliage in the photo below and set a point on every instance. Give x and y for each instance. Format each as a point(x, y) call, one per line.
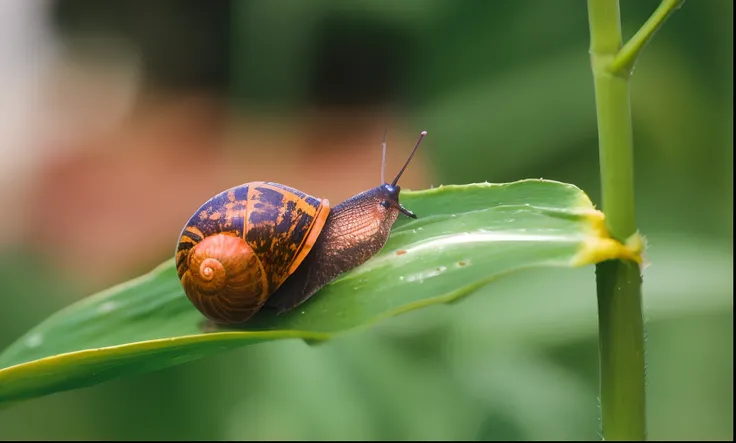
point(505, 91)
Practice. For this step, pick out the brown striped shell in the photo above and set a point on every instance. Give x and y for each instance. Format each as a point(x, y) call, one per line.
point(242, 244)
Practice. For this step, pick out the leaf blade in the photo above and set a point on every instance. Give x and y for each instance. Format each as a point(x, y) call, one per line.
point(466, 237)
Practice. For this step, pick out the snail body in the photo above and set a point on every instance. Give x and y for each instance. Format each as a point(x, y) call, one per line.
point(266, 244)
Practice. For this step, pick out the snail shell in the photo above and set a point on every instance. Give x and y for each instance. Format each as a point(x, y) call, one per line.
point(242, 244)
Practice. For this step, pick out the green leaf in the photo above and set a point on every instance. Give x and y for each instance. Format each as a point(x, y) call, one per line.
point(465, 237)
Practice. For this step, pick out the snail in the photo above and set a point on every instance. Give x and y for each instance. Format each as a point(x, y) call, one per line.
point(265, 244)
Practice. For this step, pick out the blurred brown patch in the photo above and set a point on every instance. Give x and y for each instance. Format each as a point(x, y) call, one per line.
point(115, 205)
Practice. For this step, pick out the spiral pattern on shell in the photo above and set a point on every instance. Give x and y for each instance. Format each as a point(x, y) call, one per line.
point(224, 279)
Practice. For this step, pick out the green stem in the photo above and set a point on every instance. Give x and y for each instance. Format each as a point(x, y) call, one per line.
point(627, 56)
point(621, 325)
point(621, 349)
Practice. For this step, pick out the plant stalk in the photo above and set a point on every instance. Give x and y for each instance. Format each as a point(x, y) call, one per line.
point(621, 325)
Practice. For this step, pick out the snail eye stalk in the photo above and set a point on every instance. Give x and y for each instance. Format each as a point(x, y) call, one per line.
point(421, 136)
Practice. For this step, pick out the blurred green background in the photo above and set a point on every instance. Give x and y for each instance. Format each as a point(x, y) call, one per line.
point(505, 90)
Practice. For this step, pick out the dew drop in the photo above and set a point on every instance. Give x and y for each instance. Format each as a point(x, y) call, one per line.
point(34, 341)
point(107, 307)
